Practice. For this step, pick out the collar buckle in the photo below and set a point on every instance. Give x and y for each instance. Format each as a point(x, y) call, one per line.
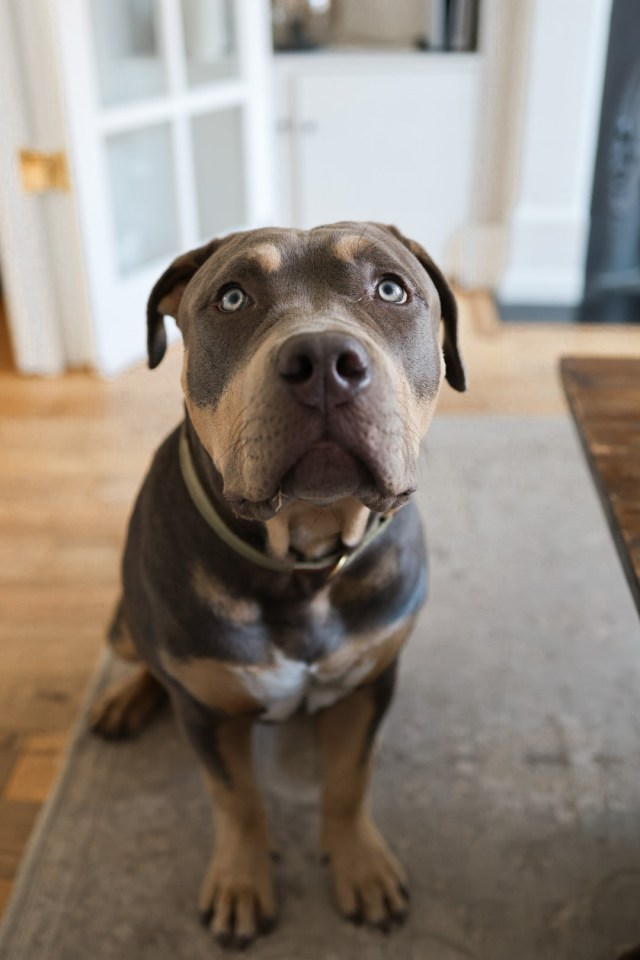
point(338, 565)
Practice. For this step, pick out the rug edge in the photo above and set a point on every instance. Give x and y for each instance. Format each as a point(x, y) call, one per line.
point(19, 892)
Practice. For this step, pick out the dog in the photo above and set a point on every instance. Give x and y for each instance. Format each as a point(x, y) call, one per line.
point(274, 560)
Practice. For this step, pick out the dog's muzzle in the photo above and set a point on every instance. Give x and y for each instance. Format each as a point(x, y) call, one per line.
point(324, 372)
point(339, 430)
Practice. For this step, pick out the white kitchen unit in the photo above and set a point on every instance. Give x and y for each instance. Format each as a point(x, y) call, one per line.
point(386, 136)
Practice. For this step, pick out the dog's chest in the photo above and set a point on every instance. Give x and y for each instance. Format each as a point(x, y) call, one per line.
point(299, 653)
point(292, 679)
point(286, 685)
point(304, 661)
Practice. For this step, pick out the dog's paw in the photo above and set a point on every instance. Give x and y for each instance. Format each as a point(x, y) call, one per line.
point(237, 899)
point(127, 707)
point(370, 885)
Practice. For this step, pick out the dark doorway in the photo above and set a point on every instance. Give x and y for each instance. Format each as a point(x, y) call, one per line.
point(612, 284)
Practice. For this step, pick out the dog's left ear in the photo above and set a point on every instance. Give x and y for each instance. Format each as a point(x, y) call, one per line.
point(454, 373)
point(164, 299)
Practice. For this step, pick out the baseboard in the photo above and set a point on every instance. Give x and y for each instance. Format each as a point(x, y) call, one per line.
point(537, 312)
point(613, 309)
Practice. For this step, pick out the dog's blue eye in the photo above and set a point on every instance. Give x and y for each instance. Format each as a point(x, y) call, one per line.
point(233, 299)
point(391, 291)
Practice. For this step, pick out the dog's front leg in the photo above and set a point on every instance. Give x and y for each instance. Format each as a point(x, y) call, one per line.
point(369, 883)
point(237, 898)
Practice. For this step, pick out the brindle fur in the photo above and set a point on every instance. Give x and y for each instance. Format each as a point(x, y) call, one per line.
point(189, 598)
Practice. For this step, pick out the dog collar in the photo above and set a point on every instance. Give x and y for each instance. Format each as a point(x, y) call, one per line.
point(331, 564)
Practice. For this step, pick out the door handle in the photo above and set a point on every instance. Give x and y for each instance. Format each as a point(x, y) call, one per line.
point(41, 172)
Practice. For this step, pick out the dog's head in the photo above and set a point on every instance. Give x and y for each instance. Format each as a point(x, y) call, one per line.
point(312, 360)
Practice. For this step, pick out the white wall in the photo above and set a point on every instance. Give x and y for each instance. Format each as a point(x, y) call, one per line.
point(549, 227)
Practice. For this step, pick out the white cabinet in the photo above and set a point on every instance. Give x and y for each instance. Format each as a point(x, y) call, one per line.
point(386, 137)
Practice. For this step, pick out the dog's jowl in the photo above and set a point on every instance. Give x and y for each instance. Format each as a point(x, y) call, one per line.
point(274, 560)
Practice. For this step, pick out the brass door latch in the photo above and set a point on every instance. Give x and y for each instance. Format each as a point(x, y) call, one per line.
point(41, 171)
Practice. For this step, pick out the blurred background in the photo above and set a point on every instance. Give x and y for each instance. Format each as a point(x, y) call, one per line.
point(503, 136)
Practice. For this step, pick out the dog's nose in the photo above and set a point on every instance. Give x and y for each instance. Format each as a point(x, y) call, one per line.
point(324, 369)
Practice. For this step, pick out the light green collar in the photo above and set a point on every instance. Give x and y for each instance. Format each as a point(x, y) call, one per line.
point(331, 564)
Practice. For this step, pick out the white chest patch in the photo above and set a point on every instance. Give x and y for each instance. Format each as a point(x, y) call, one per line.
point(286, 685)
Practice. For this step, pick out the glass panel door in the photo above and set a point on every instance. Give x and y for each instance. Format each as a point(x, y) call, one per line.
point(154, 52)
point(130, 62)
point(143, 196)
point(218, 144)
point(209, 40)
point(168, 130)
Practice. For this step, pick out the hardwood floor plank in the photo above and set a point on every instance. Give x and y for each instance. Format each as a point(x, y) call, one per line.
point(6, 886)
point(32, 777)
point(9, 753)
point(16, 822)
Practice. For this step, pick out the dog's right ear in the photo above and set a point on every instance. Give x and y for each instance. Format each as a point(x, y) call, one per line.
point(166, 295)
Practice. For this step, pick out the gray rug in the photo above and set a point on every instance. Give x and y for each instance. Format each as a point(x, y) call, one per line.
point(508, 779)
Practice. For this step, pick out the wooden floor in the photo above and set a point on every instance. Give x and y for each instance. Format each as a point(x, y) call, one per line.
point(73, 452)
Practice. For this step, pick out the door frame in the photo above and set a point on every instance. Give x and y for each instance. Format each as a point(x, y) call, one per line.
point(43, 269)
point(27, 274)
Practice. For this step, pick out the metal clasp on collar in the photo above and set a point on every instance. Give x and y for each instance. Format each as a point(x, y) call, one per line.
point(337, 567)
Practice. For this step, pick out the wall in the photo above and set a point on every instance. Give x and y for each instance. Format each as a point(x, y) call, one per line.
point(478, 251)
point(549, 225)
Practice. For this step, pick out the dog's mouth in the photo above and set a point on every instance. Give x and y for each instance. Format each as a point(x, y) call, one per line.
point(325, 473)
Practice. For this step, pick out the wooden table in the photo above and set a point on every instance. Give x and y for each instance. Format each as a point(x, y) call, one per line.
point(604, 396)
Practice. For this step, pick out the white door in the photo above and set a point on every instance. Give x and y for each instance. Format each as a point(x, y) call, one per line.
point(168, 139)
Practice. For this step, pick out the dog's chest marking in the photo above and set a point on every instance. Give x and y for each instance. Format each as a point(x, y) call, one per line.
point(286, 685)
point(283, 685)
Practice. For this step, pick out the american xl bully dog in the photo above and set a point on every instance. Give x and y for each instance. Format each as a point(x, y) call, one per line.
point(275, 561)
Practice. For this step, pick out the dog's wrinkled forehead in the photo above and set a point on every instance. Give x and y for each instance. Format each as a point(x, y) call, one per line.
point(315, 266)
point(326, 277)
